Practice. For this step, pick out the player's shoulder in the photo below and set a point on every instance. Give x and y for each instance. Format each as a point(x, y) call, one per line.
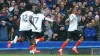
point(28, 12)
point(40, 14)
point(72, 14)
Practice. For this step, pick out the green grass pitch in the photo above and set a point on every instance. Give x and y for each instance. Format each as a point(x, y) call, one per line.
point(41, 55)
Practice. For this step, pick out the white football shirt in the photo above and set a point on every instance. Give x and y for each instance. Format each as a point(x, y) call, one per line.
point(25, 24)
point(73, 23)
point(37, 21)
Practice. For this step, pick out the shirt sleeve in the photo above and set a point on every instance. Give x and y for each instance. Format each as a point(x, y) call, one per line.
point(48, 19)
point(71, 17)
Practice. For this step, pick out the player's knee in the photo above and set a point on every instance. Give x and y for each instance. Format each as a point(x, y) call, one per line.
point(67, 40)
point(22, 39)
point(32, 42)
point(81, 38)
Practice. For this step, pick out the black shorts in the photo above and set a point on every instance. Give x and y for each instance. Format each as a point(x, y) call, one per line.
point(75, 35)
point(37, 34)
point(26, 34)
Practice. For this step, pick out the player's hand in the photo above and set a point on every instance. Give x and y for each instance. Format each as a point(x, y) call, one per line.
point(3, 23)
point(62, 28)
point(54, 35)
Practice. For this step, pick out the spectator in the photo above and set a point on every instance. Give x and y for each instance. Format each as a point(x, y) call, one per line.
point(96, 13)
point(59, 29)
point(10, 29)
point(96, 5)
point(91, 9)
point(79, 15)
point(83, 21)
point(34, 1)
point(15, 8)
point(62, 6)
point(48, 32)
point(97, 20)
point(57, 10)
point(1, 3)
point(53, 12)
point(22, 7)
point(74, 3)
point(89, 17)
point(54, 6)
point(43, 8)
point(82, 24)
point(12, 6)
point(48, 12)
point(94, 25)
point(90, 32)
point(4, 25)
point(79, 4)
point(90, 2)
point(42, 1)
point(49, 4)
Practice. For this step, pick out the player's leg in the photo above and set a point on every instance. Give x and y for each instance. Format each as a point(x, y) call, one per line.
point(10, 38)
point(33, 49)
point(65, 43)
point(9, 44)
point(16, 38)
point(32, 46)
point(78, 42)
point(40, 37)
point(32, 40)
point(12, 41)
point(20, 37)
point(31, 36)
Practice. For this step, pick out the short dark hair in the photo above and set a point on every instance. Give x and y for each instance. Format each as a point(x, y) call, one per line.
point(37, 9)
point(28, 7)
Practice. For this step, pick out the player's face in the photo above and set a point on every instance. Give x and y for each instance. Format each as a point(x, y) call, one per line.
point(33, 8)
point(75, 11)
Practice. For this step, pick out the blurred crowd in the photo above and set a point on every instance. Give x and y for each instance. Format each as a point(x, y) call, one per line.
point(88, 16)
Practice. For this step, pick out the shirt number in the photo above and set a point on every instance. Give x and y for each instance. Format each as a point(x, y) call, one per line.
point(35, 19)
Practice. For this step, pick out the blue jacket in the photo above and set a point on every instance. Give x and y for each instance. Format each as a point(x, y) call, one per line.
point(90, 32)
point(4, 29)
point(94, 32)
point(90, 3)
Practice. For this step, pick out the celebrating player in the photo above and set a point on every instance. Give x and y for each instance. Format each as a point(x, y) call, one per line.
point(36, 20)
point(24, 27)
point(72, 32)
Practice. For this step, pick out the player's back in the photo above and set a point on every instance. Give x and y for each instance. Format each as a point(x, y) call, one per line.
point(37, 21)
point(24, 21)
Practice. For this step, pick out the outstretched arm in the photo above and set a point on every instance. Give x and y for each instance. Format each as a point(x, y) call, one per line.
point(48, 19)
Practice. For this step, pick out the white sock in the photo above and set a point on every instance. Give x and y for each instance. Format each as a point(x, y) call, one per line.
point(12, 41)
point(15, 39)
point(61, 49)
point(37, 40)
point(33, 51)
point(74, 47)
